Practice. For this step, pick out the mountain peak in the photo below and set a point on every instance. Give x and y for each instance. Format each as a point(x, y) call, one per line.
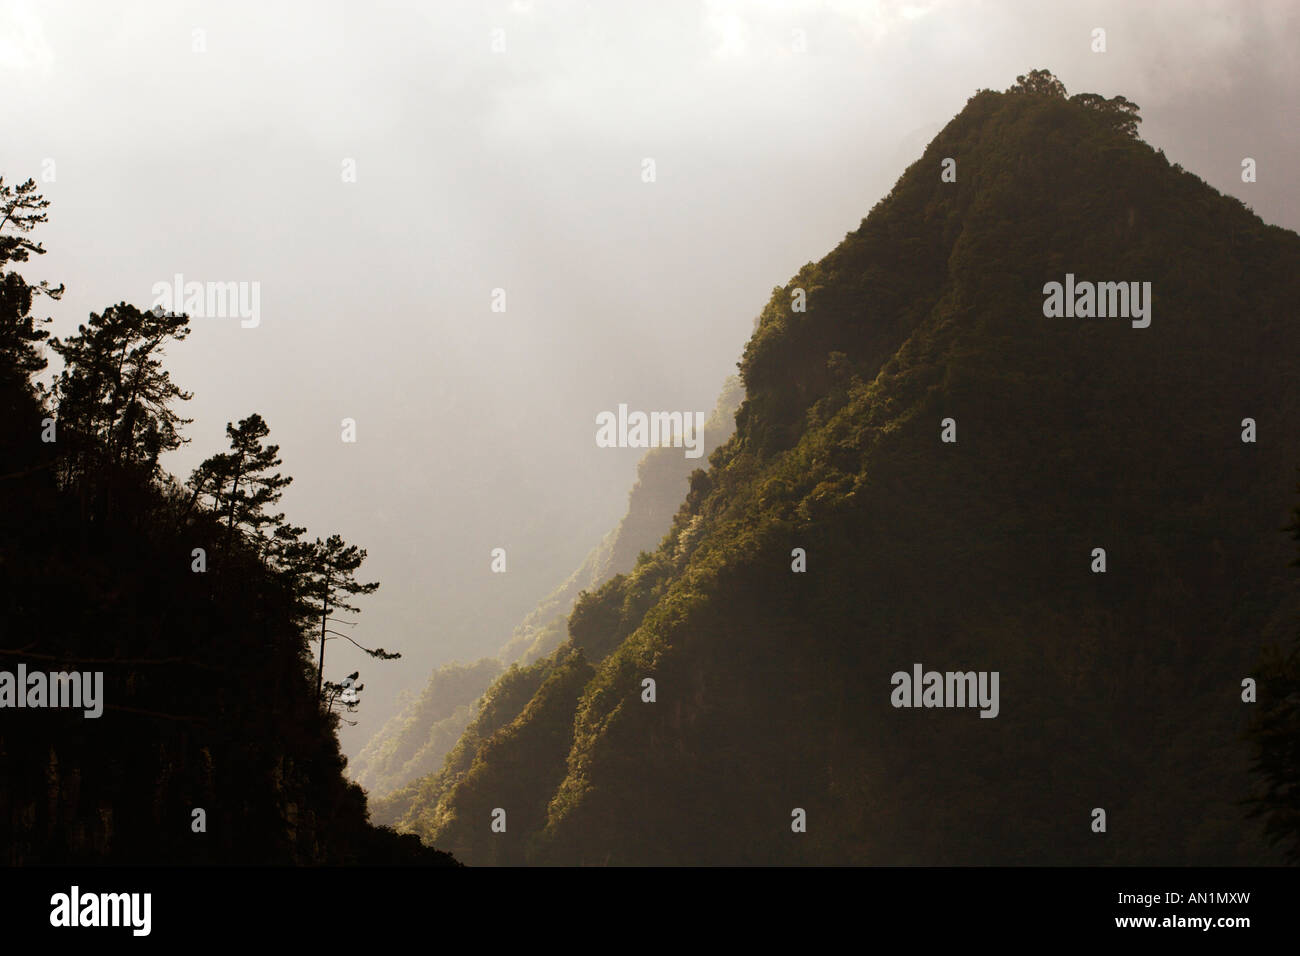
point(998, 430)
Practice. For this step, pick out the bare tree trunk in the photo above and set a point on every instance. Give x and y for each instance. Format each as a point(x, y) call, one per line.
point(234, 490)
point(324, 616)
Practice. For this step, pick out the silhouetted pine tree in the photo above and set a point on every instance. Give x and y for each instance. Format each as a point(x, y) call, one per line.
point(114, 401)
point(326, 573)
point(239, 484)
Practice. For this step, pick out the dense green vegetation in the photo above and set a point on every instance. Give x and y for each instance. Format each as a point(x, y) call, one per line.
point(1119, 690)
point(194, 601)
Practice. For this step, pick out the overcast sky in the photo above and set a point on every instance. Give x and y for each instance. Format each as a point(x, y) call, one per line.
point(774, 127)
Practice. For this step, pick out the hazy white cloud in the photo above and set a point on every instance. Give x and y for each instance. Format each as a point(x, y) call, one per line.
point(22, 41)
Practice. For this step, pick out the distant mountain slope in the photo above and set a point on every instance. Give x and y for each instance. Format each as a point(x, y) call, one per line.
point(415, 742)
point(661, 485)
point(1119, 690)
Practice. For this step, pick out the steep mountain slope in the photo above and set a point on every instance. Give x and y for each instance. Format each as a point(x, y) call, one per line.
point(415, 742)
point(1119, 690)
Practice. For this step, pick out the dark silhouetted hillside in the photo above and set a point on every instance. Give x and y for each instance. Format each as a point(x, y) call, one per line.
point(214, 742)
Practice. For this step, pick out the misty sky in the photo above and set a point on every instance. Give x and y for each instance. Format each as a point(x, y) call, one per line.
point(522, 170)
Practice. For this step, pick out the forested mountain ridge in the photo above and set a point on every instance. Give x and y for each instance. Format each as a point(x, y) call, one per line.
point(945, 460)
point(415, 742)
point(201, 728)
